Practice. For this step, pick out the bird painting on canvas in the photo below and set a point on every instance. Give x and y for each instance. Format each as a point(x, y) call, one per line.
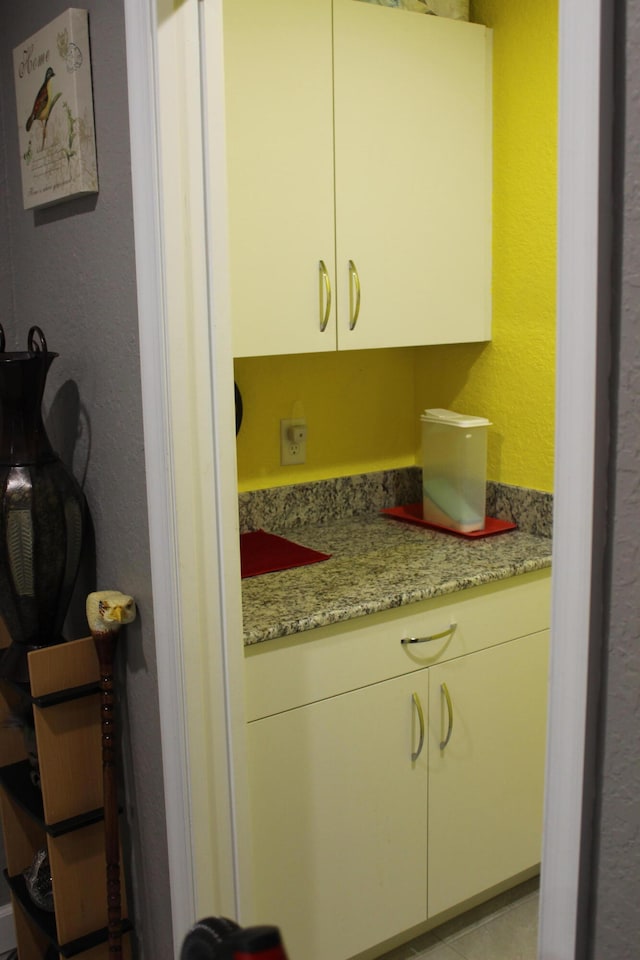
point(43, 105)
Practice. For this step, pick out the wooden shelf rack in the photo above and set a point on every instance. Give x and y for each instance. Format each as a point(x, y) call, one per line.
point(65, 814)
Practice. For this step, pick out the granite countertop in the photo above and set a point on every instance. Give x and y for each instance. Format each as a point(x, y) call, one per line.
point(378, 563)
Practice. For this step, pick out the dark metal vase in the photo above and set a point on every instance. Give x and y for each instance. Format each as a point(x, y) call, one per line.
point(42, 512)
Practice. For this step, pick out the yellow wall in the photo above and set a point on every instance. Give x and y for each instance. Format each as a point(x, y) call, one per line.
point(359, 407)
point(512, 380)
point(362, 408)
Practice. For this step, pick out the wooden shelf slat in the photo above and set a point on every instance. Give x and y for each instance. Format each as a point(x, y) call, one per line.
point(59, 672)
point(56, 696)
point(46, 922)
point(63, 666)
point(70, 757)
point(16, 781)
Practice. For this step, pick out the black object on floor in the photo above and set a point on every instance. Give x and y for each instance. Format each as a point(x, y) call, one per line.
point(217, 938)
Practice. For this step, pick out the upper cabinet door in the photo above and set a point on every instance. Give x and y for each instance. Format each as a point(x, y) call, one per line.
point(279, 116)
point(413, 177)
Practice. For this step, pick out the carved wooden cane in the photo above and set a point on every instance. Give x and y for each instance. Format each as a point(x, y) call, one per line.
point(106, 612)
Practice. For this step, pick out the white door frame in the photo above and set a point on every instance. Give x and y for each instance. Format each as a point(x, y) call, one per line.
point(187, 391)
point(141, 30)
point(581, 455)
point(182, 289)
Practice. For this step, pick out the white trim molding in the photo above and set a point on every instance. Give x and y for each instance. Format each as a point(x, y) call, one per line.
point(222, 412)
point(142, 71)
point(188, 419)
point(580, 463)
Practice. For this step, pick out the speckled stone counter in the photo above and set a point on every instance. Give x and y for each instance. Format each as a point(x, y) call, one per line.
point(378, 563)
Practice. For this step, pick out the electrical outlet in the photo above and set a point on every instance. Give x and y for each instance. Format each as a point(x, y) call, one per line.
point(293, 442)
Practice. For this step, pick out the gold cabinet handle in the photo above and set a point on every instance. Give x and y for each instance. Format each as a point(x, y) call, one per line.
point(447, 697)
point(354, 287)
point(434, 636)
point(325, 296)
point(418, 706)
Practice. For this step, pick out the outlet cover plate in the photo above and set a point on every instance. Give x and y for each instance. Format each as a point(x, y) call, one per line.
point(291, 452)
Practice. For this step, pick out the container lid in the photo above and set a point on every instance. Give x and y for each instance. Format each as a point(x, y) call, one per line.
point(437, 415)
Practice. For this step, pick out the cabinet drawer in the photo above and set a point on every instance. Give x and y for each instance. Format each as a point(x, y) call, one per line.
point(320, 663)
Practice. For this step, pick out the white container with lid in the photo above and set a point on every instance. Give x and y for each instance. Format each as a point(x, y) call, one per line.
point(454, 469)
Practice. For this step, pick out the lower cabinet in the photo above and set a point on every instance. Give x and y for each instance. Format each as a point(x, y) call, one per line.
point(379, 808)
point(339, 819)
point(486, 783)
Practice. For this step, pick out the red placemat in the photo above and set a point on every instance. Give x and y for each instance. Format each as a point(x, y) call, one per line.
point(262, 552)
point(412, 513)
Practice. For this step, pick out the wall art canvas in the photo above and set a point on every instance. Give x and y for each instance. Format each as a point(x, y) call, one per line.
point(54, 100)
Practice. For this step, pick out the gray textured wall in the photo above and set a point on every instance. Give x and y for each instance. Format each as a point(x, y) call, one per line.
point(72, 271)
point(615, 933)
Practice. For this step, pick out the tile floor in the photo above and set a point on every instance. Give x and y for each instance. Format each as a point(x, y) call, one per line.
point(505, 928)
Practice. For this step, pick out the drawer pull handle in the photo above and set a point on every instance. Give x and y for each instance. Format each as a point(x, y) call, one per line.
point(354, 286)
point(325, 296)
point(434, 636)
point(447, 697)
point(418, 706)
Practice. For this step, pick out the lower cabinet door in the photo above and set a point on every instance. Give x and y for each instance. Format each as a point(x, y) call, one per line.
point(339, 816)
point(486, 783)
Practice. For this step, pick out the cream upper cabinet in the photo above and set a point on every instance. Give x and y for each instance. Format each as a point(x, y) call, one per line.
point(279, 121)
point(412, 176)
point(359, 175)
